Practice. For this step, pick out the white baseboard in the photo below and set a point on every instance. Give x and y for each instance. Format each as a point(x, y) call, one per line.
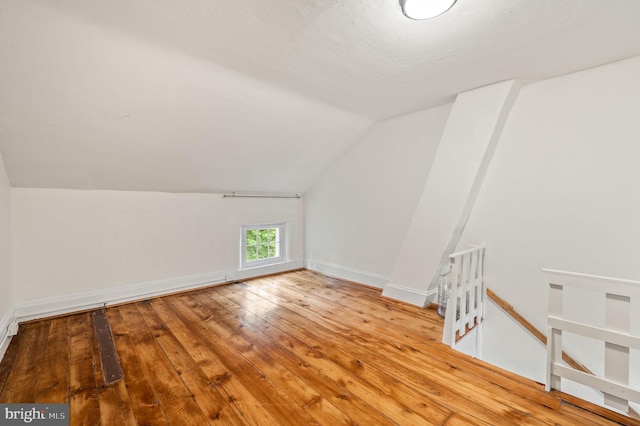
point(413, 296)
point(52, 306)
point(347, 273)
point(59, 305)
point(393, 291)
point(5, 335)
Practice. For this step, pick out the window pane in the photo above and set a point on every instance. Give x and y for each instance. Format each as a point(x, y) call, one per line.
point(263, 251)
point(252, 253)
point(251, 237)
point(273, 234)
point(274, 249)
point(263, 236)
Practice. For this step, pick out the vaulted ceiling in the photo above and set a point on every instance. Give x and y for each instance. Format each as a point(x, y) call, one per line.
point(257, 95)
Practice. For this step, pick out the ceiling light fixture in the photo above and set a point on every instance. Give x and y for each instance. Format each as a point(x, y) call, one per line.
point(425, 9)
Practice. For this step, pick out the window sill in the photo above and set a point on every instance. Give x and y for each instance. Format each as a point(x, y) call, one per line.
point(262, 265)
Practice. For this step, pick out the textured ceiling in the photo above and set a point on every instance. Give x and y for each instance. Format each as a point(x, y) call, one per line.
point(254, 95)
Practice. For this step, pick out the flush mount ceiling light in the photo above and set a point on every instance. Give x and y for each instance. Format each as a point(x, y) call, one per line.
point(425, 9)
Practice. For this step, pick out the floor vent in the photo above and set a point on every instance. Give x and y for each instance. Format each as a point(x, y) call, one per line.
point(111, 369)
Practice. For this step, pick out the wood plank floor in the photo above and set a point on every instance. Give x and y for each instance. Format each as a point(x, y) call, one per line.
point(293, 349)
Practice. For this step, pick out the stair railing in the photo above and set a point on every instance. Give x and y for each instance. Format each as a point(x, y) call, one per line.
point(466, 294)
point(615, 335)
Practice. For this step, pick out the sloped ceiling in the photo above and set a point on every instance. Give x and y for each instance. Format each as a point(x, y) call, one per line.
point(255, 95)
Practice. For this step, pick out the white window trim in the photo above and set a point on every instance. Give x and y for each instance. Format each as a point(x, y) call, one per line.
point(264, 262)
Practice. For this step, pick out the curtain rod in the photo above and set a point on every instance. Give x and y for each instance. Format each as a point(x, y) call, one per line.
point(234, 195)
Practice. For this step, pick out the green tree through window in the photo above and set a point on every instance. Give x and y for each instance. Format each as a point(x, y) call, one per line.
point(262, 244)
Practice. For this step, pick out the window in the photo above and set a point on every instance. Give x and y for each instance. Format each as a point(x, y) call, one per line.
point(262, 245)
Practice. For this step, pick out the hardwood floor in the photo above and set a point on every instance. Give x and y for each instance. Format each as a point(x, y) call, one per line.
point(293, 349)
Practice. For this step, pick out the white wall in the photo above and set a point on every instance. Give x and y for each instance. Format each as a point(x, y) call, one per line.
point(70, 242)
point(562, 192)
point(5, 249)
point(358, 214)
point(469, 139)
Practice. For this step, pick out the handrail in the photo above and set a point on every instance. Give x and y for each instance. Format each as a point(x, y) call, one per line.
point(616, 336)
point(511, 311)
